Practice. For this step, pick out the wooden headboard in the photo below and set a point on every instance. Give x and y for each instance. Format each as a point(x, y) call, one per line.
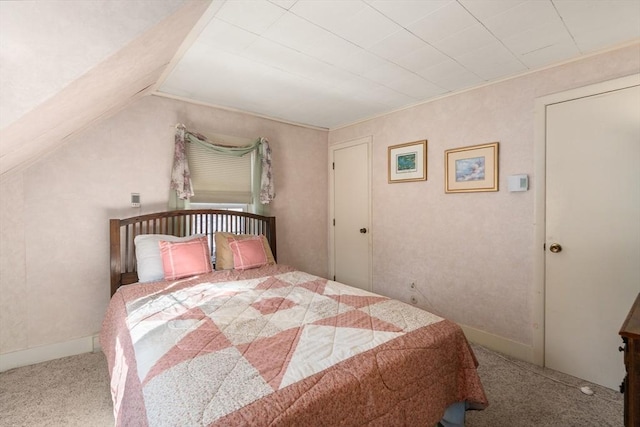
point(178, 223)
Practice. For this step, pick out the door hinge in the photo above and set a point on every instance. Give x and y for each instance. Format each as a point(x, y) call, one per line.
point(333, 165)
point(334, 277)
point(334, 222)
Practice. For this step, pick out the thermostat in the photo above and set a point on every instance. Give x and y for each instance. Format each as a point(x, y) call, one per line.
point(135, 200)
point(518, 182)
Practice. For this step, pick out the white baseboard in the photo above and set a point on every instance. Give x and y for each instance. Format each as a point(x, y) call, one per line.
point(96, 344)
point(45, 353)
point(497, 343)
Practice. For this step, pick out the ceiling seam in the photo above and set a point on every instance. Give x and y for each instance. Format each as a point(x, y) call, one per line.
point(498, 39)
point(564, 24)
point(492, 82)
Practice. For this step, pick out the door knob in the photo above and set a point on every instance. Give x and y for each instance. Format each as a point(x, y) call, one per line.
point(555, 248)
point(363, 230)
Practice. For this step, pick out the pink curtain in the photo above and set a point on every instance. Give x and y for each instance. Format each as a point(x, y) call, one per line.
point(180, 175)
point(263, 188)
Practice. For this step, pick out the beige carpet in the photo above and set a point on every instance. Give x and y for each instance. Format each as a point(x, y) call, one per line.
point(74, 391)
point(525, 395)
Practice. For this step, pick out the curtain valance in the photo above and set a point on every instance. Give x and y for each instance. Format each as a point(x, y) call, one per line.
point(263, 188)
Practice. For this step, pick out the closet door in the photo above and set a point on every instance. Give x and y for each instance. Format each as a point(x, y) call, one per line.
point(351, 223)
point(592, 258)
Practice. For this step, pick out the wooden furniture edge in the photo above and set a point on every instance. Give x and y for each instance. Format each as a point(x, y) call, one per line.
point(115, 255)
point(630, 333)
point(119, 278)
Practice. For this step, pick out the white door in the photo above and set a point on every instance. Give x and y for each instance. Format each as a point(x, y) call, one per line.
point(593, 227)
point(351, 214)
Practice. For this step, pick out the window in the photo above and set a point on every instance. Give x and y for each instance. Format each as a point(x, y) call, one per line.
point(221, 179)
point(237, 207)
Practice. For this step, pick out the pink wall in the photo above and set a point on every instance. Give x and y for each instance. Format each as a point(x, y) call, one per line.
point(54, 233)
point(471, 254)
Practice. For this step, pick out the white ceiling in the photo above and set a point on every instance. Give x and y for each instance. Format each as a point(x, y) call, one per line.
point(47, 44)
point(329, 63)
point(65, 64)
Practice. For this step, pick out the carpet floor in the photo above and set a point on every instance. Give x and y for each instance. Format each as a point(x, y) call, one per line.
point(524, 395)
point(74, 391)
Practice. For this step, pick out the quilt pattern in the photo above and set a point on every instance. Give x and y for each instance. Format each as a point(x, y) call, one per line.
point(208, 350)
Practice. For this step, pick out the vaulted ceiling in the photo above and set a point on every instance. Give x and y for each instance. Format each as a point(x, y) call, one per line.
point(66, 63)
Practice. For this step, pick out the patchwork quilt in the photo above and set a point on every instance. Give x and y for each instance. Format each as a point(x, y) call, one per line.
point(277, 347)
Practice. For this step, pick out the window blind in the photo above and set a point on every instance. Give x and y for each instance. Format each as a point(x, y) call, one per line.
point(218, 178)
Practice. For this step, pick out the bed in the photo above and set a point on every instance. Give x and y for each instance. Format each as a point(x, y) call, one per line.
point(259, 343)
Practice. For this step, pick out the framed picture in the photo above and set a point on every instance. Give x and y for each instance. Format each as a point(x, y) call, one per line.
point(470, 169)
point(408, 162)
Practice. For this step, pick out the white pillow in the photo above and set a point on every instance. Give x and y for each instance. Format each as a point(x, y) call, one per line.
point(148, 258)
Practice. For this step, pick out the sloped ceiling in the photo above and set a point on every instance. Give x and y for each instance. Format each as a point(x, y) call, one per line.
point(66, 64)
point(323, 63)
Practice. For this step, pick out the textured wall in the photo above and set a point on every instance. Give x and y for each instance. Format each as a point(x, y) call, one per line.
point(13, 302)
point(471, 254)
point(55, 259)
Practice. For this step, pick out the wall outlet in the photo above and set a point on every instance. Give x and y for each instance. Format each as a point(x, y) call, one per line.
point(413, 286)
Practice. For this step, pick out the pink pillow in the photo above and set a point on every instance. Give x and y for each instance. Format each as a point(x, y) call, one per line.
point(247, 253)
point(182, 259)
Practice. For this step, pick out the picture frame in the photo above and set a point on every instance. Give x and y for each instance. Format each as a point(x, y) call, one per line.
point(407, 162)
point(471, 169)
